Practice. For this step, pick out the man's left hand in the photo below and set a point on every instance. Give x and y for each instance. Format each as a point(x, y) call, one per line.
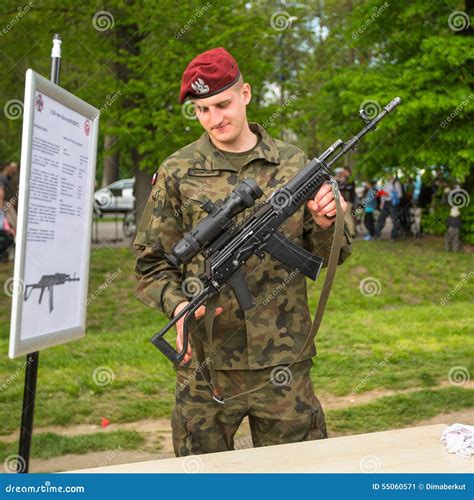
point(324, 206)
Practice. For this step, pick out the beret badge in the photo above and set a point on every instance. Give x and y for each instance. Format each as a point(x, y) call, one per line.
point(200, 87)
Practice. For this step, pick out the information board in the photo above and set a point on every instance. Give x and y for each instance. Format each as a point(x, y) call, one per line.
point(57, 180)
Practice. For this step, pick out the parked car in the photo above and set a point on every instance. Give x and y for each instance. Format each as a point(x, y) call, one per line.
point(116, 197)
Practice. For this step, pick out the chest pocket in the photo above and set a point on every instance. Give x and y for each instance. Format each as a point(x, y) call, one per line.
point(196, 191)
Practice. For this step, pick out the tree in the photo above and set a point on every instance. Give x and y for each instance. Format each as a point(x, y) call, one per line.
point(422, 52)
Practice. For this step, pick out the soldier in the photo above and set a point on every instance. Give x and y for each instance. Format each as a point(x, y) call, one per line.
point(248, 348)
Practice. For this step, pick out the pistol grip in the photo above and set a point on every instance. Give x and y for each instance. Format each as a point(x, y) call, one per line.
point(241, 290)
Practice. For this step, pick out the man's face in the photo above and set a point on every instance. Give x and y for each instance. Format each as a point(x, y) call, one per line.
point(11, 169)
point(339, 176)
point(223, 116)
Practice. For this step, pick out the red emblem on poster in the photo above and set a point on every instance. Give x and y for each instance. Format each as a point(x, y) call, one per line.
point(39, 103)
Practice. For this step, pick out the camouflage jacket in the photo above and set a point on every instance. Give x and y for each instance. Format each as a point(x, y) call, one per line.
point(273, 332)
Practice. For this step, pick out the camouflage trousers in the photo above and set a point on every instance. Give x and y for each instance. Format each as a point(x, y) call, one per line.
point(285, 410)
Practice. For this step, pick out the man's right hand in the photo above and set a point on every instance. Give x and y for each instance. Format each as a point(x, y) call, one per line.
point(199, 313)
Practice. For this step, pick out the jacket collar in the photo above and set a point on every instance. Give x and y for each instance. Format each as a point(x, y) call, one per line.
point(213, 159)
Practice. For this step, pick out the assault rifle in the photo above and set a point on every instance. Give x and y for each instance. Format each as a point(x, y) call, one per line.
point(48, 281)
point(226, 245)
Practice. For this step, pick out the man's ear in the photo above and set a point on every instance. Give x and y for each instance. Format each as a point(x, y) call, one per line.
point(246, 93)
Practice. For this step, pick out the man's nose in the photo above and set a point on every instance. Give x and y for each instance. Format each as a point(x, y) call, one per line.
point(216, 116)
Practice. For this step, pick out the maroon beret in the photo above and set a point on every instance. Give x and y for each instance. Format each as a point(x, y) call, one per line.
point(208, 74)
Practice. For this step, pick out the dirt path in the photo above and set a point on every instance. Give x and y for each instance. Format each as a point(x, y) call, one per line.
point(97, 459)
point(157, 434)
point(331, 402)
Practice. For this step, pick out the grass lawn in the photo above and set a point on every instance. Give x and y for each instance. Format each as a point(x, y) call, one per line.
point(401, 338)
point(49, 444)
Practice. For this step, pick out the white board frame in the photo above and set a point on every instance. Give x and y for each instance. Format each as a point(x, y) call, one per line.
point(35, 82)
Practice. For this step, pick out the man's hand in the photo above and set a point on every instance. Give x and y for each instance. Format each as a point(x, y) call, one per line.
point(324, 206)
point(199, 313)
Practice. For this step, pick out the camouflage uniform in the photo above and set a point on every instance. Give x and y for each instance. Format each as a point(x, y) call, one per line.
point(284, 411)
point(272, 333)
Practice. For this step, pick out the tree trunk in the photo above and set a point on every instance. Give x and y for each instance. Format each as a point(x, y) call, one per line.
point(111, 162)
point(142, 187)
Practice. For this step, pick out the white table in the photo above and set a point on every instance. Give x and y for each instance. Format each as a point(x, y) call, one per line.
point(416, 449)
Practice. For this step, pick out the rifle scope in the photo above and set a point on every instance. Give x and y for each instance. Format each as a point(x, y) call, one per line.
point(219, 219)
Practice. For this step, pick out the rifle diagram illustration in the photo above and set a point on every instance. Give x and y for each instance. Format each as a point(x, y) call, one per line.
point(49, 281)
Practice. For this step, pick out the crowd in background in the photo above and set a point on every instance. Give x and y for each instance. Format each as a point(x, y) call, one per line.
point(370, 204)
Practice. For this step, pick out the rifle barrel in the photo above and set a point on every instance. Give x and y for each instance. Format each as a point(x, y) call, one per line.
point(370, 126)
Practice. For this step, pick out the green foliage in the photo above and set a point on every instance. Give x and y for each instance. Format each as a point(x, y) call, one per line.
point(381, 50)
point(332, 57)
point(435, 222)
point(467, 229)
